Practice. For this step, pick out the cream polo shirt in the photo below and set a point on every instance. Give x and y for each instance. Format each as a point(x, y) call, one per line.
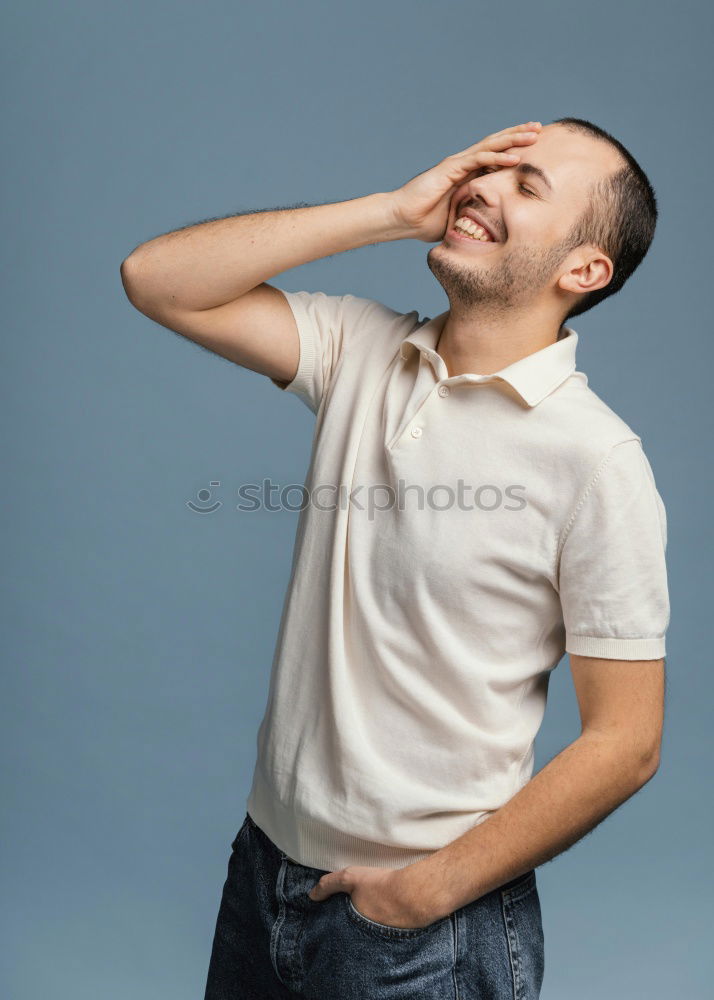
point(422, 620)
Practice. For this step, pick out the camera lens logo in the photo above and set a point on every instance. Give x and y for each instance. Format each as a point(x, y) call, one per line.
point(204, 496)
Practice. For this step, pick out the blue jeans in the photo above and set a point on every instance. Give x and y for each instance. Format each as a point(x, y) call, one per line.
point(272, 941)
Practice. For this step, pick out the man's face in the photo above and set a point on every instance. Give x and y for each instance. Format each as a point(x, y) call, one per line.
point(529, 219)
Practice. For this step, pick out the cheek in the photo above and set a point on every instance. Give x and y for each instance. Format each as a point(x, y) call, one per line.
point(526, 227)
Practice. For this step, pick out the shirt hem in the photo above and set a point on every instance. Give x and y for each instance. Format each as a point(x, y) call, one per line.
point(315, 845)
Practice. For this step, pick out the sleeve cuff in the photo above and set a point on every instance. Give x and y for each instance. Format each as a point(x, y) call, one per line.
point(303, 378)
point(611, 648)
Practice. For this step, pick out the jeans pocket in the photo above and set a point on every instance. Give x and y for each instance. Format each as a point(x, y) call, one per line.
point(386, 930)
point(524, 928)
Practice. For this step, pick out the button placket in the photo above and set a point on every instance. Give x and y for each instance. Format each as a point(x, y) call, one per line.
point(415, 431)
point(444, 391)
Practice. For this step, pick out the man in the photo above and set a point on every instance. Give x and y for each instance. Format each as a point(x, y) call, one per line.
point(475, 510)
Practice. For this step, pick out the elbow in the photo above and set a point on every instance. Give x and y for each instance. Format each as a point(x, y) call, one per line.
point(129, 272)
point(126, 270)
point(649, 764)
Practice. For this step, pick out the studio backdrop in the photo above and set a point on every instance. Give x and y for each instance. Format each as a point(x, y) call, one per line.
point(141, 605)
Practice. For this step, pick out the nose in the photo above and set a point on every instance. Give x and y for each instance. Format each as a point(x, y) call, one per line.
point(477, 189)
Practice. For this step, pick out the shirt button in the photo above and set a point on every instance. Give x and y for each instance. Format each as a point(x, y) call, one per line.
point(443, 390)
point(416, 432)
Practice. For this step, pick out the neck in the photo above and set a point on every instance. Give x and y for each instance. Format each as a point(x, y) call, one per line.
point(482, 344)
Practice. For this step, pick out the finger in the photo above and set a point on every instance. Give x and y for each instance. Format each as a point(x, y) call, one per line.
point(462, 166)
point(512, 139)
point(320, 890)
point(333, 882)
point(500, 141)
point(523, 127)
point(466, 162)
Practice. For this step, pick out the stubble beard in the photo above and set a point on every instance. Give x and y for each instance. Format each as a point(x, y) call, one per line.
point(513, 280)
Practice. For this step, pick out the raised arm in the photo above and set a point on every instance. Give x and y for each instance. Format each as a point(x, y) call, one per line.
point(208, 281)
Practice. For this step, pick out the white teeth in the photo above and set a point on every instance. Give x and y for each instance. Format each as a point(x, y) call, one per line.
point(472, 229)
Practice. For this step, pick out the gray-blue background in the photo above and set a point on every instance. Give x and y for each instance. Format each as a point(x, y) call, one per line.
point(138, 635)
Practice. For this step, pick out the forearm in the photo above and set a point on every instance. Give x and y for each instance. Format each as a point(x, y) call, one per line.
point(214, 262)
point(574, 792)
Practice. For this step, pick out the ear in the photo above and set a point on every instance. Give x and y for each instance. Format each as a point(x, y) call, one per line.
point(591, 269)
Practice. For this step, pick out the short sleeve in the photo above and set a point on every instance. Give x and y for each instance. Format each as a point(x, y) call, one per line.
point(326, 325)
point(612, 569)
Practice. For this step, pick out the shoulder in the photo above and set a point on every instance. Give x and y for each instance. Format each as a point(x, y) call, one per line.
point(351, 322)
point(588, 428)
point(365, 317)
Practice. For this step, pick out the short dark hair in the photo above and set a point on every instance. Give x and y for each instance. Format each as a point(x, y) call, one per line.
point(620, 218)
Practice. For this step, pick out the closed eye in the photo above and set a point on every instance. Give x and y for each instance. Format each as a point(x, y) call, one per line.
point(527, 190)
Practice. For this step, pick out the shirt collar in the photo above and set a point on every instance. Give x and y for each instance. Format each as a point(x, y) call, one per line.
point(533, 377)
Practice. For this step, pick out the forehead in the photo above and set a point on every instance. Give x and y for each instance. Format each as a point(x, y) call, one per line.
point(571, 160)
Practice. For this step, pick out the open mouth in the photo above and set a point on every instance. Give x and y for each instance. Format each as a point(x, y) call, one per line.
point(473, 229)
point(456, 234)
